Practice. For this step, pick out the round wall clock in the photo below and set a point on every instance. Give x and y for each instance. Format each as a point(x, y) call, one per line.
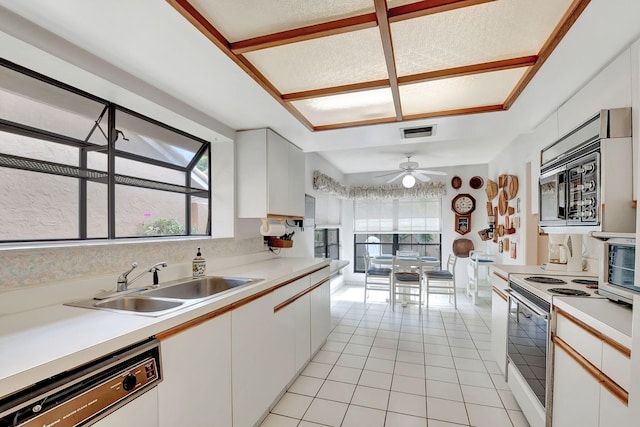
point(463, 204)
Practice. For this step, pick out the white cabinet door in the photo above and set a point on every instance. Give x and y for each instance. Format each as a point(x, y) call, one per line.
point(270, 175)
point(576, 394)
point(320, 315)
point(253, 350)
point(196, 385)
point(296, 181)
point(251, 176)
point(277, 174)
point(612, 411)
point(499, 316)
point(293, 326)
point(140, 412)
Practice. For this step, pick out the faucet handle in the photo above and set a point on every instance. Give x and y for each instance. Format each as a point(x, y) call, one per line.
point(122, 279)
point(133, 266)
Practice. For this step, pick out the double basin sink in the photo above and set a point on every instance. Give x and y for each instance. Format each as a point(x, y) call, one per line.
point(166, 298)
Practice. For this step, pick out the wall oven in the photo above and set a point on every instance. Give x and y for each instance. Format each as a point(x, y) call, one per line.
point(583, 171)
point(528, 352)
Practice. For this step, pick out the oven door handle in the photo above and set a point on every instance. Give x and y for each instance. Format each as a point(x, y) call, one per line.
point(528, 305)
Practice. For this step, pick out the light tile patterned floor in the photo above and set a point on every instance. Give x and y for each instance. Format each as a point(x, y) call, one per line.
point(381, 368)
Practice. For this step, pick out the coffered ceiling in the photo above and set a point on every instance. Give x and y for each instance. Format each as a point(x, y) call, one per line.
point(343, 63)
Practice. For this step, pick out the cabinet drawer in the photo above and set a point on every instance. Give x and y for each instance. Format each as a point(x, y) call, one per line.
point(585, 343)
point(288, 291)
point(319, 276)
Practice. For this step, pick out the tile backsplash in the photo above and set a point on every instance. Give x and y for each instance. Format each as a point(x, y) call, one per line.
point(38, 266)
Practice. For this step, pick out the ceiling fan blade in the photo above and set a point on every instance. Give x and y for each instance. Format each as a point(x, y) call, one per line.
point(386, 174)
point(421, 176)
point(400, 175)
point(430, 172)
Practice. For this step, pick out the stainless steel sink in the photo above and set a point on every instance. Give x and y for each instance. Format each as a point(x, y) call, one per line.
point(165, 299)
point(199, 288)
point(138, 304)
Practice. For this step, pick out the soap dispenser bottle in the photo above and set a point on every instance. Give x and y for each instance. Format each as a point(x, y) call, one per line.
point(199, 265)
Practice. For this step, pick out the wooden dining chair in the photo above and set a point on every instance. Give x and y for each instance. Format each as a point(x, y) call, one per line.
point(407, 281)
point(375, 278)
point(443, 281)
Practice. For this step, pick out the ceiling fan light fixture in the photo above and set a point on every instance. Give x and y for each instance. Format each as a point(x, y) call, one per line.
point(408, 181)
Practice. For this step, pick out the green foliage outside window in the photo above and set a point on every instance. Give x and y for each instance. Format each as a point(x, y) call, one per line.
point(161, 227)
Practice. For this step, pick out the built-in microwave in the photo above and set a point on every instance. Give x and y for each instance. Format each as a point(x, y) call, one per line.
point(616, 276)
point(587, 170)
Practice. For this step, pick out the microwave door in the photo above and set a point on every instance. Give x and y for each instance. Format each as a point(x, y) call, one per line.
point(552, 198)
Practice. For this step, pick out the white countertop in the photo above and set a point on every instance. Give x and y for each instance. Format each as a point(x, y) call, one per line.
point(39, 343)
point(613, 320)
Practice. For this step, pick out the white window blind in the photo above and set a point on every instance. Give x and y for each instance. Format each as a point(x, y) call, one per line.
point(397, 216)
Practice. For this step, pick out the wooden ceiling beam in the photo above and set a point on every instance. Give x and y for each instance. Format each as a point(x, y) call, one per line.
point(567, 21)
point(456, 112)
point(336, 90)
point(505, 64)
point(387, 47)
point(310, 32)
point(209, 31)
point(485, 67)
point(429, 7)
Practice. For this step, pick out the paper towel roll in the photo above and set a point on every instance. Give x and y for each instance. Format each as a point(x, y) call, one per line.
point(272, 229)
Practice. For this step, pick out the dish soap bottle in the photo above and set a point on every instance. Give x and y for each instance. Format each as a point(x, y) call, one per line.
point(199, 265)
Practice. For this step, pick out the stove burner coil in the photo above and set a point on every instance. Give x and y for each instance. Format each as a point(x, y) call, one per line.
point(585, 281)
point(572, 292)
point(546, 280)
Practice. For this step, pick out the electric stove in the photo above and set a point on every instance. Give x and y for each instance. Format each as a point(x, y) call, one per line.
point(548, 286)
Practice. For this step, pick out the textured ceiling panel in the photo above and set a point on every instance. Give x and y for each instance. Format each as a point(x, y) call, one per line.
point(244, 19)
point(482, 33)
point(353, 57)
point(348, 107)
point(460, 92)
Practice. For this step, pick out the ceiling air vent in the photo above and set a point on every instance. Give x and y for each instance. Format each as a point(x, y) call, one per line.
point(418, 132)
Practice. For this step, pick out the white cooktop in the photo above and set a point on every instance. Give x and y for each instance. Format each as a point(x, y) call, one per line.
point(542, 290)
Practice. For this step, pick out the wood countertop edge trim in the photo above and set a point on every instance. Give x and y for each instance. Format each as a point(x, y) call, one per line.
point(500, 276)
point(231, 306)
point(591, 330)
point(596, 373)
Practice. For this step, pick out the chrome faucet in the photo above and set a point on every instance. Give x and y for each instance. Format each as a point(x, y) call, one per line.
point(123, 282)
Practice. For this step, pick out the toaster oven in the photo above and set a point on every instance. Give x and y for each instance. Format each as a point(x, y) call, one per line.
point(616, 280)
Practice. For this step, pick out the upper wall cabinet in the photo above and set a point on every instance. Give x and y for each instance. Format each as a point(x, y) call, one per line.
point(270, 175)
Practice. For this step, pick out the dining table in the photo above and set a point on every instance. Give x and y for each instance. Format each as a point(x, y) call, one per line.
point(431, 263)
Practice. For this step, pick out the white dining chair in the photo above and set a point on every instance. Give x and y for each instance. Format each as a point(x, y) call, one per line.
point(442, 281)
point(375, 278)
point(407, 281)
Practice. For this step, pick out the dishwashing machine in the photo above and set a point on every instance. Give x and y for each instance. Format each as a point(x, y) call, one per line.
point(94, 392)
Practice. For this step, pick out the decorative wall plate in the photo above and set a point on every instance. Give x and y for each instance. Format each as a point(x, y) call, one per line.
point(476, 182)
point(456, 182)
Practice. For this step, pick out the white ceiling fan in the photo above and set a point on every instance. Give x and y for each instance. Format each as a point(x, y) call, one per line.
point(411, 171)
